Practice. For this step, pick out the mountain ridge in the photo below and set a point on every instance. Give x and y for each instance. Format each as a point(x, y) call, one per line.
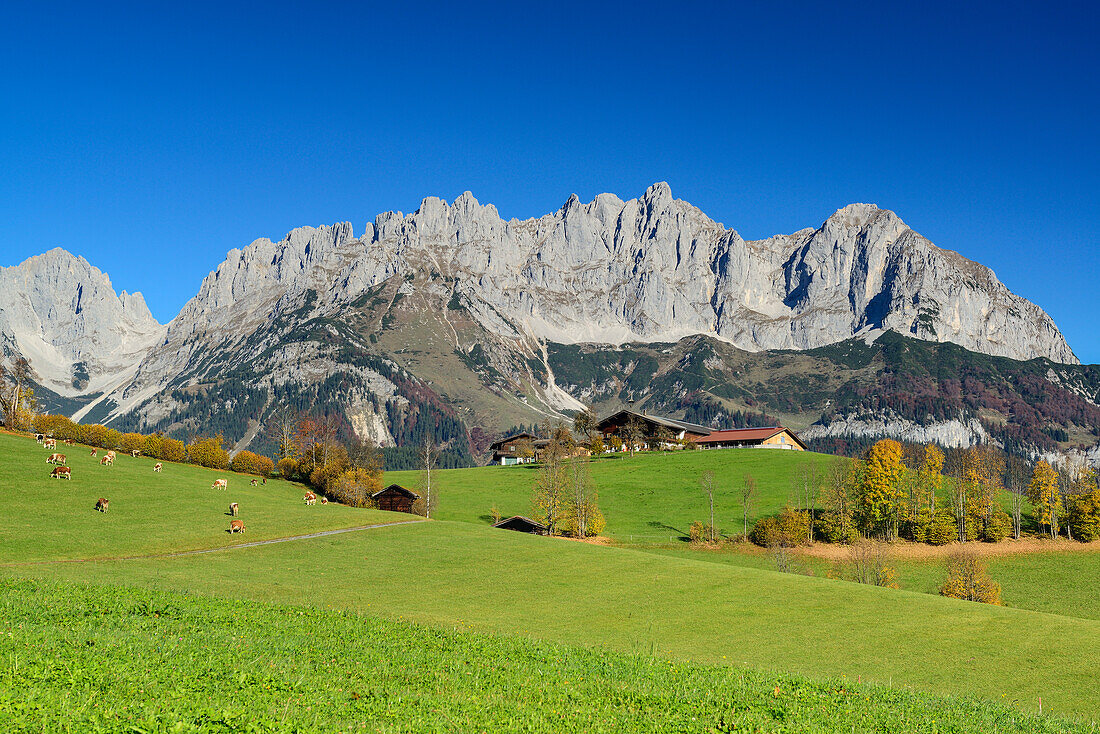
point(422, 313)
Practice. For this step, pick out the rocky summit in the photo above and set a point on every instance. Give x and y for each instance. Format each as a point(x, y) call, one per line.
point(453, 312)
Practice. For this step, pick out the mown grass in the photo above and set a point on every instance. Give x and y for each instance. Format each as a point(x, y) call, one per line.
point(75, 658)
point(52, 519)
point(646, 498)
point(477, 578)
point(1057, 581)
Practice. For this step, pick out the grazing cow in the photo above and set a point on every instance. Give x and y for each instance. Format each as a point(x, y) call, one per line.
point(61, 471)
point(39, 437)
point(264, 481)
point(111, 454)
point(324, 500)
point(310, 498)
point(68, 442)
point(101, 504)
point(135, 453)
point(106, 461)
point(253, 482)
point(57, 459)
point(223, 483)
point(95, 452)
point(236, 526)
point(49, 443)
point(233, 509)
point(158, 466)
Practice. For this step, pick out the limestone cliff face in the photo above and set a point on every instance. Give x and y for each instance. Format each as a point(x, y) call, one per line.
point(63, 315)
point(648, 269)
point(608, 271)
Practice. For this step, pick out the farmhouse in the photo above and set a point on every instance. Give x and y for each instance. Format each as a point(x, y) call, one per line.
point(653, 427)
point(395, 498)
point(522, 524)
point(775, 437)
point(519, 448)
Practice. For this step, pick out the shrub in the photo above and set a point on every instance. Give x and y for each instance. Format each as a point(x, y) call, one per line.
point(998, 527)
point(208, 452)
point(828, 527)
point(596, 524)
point(699, 532)
point(967, 579)
point(93, 435)
point(942, 530)
point(596, 447)
point(153, 446)
point(131, 442)
point(354, 487)
point(247, 462)
point(172, 450)
point(288, 467)
point(323, 476)
point(766, 533)
point(111, 437)
point(870, 562)
point(494, 515)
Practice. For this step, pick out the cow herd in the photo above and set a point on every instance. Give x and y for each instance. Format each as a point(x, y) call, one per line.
point(61, 469)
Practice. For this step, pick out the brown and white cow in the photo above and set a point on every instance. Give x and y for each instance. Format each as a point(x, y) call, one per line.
point(310, 498)
point(222, 483)
point(112, 455)
point(101, 504)
point(324, 500)
point(253, 483)
point(106, 461)
point(158, 466)
point(57, 459)
point(61, 471)
point(135, 453)
point(95, 452)
point(49, 443)
point(236, 526)
point(233, 509)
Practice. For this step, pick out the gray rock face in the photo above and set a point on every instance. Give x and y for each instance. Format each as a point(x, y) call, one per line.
point(609, 271)
point(648, 269)
point(63, 315)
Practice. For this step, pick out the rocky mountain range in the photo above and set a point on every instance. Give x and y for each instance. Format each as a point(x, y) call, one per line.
point(450, 321)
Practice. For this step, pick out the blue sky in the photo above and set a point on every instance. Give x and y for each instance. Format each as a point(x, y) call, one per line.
point(152, 139)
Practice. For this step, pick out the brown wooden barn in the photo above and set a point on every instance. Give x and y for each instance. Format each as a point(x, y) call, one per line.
point(522, 524)
point(395, 498)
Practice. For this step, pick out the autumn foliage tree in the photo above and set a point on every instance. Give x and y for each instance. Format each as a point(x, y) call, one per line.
point(247, 462)
point(967, 579)
point(208, 452)
point(1045, 497)
point(880, 490)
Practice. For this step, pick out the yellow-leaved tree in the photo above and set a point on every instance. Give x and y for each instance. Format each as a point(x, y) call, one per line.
point(880, 490)
point(1044, 496)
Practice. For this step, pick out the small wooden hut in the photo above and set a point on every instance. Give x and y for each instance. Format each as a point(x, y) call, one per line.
point(522, 524)
point(395, 498)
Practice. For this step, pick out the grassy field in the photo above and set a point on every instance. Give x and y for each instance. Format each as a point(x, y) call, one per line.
point(480, 579)
point(149, 513)
point(1064, 582)
point(469, 577)
point(100, 659)
point(647, 498)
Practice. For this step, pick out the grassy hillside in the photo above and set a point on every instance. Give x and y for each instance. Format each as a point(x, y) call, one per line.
point(149, 513)
point(650, 497)
point(105, 659)
point(477, 578)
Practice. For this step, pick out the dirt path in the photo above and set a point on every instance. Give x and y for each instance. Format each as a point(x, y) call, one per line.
point(200, 551)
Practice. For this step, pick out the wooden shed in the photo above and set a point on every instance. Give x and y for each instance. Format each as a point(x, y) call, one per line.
point(522, 524)
point(395, 498)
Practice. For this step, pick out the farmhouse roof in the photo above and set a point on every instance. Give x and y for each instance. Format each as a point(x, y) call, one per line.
point(748, 434)
point(666, 422)
point(501, 441)
point(521, 520)
point(399, 490)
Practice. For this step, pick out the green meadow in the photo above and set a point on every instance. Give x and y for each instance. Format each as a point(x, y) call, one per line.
point(78, 658)
point(646, 498)
point(507, 612)
point(150, 512)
